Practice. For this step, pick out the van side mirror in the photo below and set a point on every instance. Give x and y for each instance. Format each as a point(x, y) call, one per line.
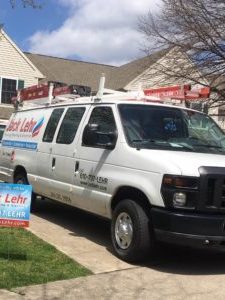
point(94, 137)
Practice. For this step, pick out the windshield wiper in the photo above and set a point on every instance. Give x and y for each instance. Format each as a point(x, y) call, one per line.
point(162, 144)
point(152, 142)
point(182, 145)
point(143, 141)
point(208, 146)
point(194, 138)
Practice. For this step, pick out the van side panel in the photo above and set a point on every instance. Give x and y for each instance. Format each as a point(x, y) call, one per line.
point(20, 143)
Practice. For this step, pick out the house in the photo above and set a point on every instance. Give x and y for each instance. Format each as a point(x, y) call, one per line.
point(144, 72)
point(22, 69)
point(16, 72)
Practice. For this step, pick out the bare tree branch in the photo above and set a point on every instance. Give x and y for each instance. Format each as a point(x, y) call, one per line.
point(196, 29)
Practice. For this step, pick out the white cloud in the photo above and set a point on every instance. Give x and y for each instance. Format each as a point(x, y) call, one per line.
point(96, 30)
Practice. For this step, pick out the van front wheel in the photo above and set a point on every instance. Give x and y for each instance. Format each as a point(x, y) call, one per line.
point(131, 232)
point(21, 178)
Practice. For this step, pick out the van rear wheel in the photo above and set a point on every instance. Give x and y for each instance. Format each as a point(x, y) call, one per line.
point(21, 178)
point(131, 233)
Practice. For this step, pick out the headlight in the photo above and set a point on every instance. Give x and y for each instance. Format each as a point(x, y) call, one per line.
point(180, 191)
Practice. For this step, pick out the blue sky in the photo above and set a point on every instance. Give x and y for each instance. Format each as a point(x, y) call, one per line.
point(102, 31)
point(20, 23)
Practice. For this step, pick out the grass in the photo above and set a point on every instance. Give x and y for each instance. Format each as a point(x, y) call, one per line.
point(26, 260)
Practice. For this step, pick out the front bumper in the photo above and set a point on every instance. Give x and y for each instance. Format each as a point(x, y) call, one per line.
point(191, 229)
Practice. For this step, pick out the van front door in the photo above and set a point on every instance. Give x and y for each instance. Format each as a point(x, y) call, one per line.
point(95, 164)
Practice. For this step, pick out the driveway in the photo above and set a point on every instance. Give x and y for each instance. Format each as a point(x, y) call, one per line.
point(81, 236)
point(176, 273)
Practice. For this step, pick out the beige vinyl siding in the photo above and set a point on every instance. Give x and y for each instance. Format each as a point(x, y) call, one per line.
point(153, 76)
point(14, 65)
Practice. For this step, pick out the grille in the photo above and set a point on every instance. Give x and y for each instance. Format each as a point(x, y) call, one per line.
point(212, 189)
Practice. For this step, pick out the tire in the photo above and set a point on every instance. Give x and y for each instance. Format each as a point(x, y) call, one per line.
point(21, 178)
point(131, 233)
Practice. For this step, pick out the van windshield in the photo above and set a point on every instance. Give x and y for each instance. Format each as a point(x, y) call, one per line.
point(165, 128)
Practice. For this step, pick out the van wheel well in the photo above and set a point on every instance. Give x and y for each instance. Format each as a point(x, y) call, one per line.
point(20, 177)
point(19, 170)
point(128, 192)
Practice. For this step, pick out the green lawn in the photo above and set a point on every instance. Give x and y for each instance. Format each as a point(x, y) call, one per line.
point(26, 259)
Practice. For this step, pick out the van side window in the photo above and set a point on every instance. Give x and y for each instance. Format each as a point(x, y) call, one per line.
point(70, 125)
point(52, 125)
point(103, 117)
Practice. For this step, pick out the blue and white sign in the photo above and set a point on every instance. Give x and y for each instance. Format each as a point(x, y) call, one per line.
point(15, 201)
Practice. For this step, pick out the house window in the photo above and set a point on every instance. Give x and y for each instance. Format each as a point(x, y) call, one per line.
point(8, 89)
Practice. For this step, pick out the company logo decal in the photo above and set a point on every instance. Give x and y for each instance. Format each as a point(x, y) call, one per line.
point(26, 127)
point(37, 127)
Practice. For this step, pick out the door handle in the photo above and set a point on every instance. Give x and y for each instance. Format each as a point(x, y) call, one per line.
point(77, 164)
point(53, 163)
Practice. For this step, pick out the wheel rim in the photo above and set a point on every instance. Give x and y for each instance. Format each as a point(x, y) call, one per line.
point(123, 230)
point(20, 181)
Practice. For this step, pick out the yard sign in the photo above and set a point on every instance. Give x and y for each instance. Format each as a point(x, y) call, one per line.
point(15, 200)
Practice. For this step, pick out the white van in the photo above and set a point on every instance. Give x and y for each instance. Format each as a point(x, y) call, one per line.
point(157, 171)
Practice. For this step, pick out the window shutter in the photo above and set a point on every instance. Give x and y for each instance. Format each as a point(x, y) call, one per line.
point(20, 84)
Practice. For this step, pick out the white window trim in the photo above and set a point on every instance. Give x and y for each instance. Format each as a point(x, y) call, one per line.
point(7, 77)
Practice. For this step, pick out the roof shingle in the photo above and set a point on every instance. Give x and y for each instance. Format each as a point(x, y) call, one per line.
point(86, 73)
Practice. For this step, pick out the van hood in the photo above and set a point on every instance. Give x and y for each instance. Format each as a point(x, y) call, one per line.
point(189, 162)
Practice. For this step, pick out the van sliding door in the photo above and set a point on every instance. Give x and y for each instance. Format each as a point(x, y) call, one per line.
point(63, 157)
